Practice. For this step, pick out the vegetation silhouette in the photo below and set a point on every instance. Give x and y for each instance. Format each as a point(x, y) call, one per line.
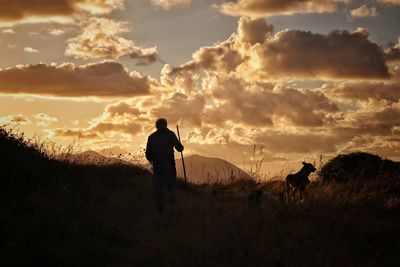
point(57, 213)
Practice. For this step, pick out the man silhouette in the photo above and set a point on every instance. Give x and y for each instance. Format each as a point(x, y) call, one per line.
point(160, 153)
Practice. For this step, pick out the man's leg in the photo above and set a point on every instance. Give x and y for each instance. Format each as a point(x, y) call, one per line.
point(171, 184)
point(159, 188)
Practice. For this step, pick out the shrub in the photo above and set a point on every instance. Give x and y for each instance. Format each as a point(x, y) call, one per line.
point(359, 166)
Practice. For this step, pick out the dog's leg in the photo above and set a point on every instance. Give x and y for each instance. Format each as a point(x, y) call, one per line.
point(294, 194)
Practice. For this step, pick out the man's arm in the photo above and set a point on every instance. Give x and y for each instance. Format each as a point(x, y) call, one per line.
point(178, 146)
point(149, 152)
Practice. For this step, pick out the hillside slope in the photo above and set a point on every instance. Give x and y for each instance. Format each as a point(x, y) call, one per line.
point(55, 213)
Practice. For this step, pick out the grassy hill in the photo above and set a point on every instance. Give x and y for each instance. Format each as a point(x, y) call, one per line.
point(55, 213)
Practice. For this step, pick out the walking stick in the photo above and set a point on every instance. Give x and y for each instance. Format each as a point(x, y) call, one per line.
point(183, 161)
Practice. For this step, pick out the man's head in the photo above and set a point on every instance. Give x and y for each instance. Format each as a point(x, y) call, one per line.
point(161, 123)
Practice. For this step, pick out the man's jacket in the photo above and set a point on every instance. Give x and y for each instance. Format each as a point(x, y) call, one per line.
point(160, 147)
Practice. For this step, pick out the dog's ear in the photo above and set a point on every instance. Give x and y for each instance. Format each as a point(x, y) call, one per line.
point(303, 163)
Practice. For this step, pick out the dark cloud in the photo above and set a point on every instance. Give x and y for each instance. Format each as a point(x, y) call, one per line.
point(262, 8)
point(390, 2)
point(363, 91)
point(145, 56)
point(107, 79)
point(340, 54)
point(14, 11)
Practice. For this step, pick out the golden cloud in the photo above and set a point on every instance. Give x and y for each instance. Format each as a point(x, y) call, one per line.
point(101, 38)
point(14, 119)
point(106, 79)
point(264, 105)
point(392, 51)
point(364, 11)
point(117, 118)
point(44, 119)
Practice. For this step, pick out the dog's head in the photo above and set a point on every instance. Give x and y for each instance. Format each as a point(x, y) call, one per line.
point(309, 167)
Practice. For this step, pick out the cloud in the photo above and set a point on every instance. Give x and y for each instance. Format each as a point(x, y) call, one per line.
point(392, 51)
point(263, 8)
point(118, 119)
point(222, 57)
point(243, 91)
point(254, 30)
point(21, 11)
point(256, 53)
point(363, 91)
point(145, 56)
point(74, 133)
point(170, 4)
point(179, 107)
point(364, 11)
point(372, 121)
point(30, 50)
point(15, 119)
point(120, 109)
point(98, 130)
point(56, 32)
point(265, 105)
point(101, 38)
point(8, 31)
point(390, 2)
point(106, 79)
point(44, 119)
point(299, 143)
point(338, 55)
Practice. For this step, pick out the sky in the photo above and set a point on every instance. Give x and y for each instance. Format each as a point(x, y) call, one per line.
point(299, 78)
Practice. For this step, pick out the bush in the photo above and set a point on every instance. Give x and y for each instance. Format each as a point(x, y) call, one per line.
point(359, 166)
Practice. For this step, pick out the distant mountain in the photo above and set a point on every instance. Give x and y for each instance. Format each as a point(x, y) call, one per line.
point(91, 157)
point(113, 151)
point(202, 170)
